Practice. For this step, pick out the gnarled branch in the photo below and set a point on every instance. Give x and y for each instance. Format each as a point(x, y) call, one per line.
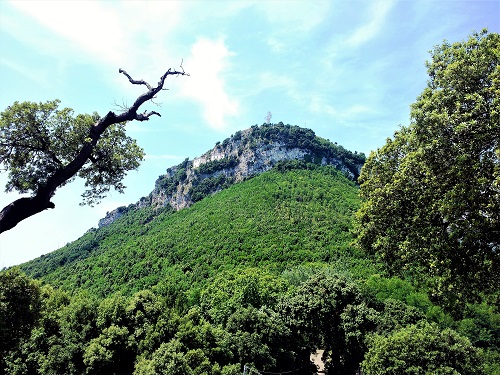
point(133, 81)
point(22, 208)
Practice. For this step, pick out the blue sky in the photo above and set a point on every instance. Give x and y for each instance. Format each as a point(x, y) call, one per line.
point(349, 70)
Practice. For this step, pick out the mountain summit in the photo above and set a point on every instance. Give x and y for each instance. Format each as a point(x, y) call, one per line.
point(245, 154)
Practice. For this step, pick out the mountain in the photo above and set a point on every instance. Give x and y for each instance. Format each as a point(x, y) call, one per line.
point(245, 154)
point(240, 260)
point(285, 197)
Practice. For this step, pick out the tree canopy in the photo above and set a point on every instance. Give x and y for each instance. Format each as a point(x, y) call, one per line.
point(422, 349)
point(259, 275)
point(43, 148)
point(431, 195)
point(39, 139)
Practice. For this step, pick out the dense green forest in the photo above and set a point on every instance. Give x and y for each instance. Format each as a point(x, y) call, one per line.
point(297, 213)
point(260, 274)
point(396, 275)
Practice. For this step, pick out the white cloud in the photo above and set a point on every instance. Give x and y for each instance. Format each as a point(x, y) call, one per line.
point(344, 114)
point(89, 25)
point(297, 15)
point(128, 34)
point(207, 66)
point(377, 12)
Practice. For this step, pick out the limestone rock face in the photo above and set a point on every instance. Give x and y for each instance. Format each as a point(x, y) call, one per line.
point(112, 216)
point(243, 155)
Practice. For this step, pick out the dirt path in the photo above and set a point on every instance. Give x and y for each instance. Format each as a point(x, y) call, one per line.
point(316, 359)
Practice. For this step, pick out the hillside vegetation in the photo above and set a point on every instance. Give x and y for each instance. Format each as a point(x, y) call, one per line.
point(294, 214)
point(263, 250)
point(245, 154)
point(258, 275)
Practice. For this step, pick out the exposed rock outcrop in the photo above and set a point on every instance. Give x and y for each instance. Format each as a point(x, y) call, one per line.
point(243, 155)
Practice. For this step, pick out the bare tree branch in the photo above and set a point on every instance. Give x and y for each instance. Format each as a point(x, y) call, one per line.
point(25, 207)
point(121, 107)
point(133, 81)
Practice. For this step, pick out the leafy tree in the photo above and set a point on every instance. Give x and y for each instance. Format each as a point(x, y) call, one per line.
point(19, 309)
point(431, 194)
point(43, 148)
point(143, 312)
point(196, 333)
point(110, 353)
point(327, 311)
point(77, 326)
point(396, 315)
point(395, 288)
point(167, 360)
point(31, 355)
point(481, 326)
point(112, 310)
point(422, 349)
point(234, 289)
point(261, 338)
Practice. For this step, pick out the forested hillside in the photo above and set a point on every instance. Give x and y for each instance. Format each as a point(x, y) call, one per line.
point(259, 275)
point(294, 214)
point(245, 154)
point(397, 275)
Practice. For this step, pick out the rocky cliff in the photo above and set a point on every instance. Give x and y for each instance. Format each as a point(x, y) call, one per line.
point(243, 155)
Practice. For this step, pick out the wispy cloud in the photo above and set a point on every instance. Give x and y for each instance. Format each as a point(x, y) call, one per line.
point(295, 15)
point(207, 67)
point(291, 20)
point(271, 80)
point(39, 76)
point(111, 33)
point(343, 113)
point(378, 11)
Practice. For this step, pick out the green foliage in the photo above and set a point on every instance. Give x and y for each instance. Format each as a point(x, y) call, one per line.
point(112, 310)
point(197, 348)
point(109, 353)
point(38, 139)
point(327, 311)
point(260, 337)
point(167, 360)
point(422, 349)
point(482, 326)
point(233, 289)
point(209, 185)
point(59, 336)
point(19, 308)
point(431, 195)
point(297, 137)
point(217, 165)
point(401, 290)
point(276, 221)
point(271, 326)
